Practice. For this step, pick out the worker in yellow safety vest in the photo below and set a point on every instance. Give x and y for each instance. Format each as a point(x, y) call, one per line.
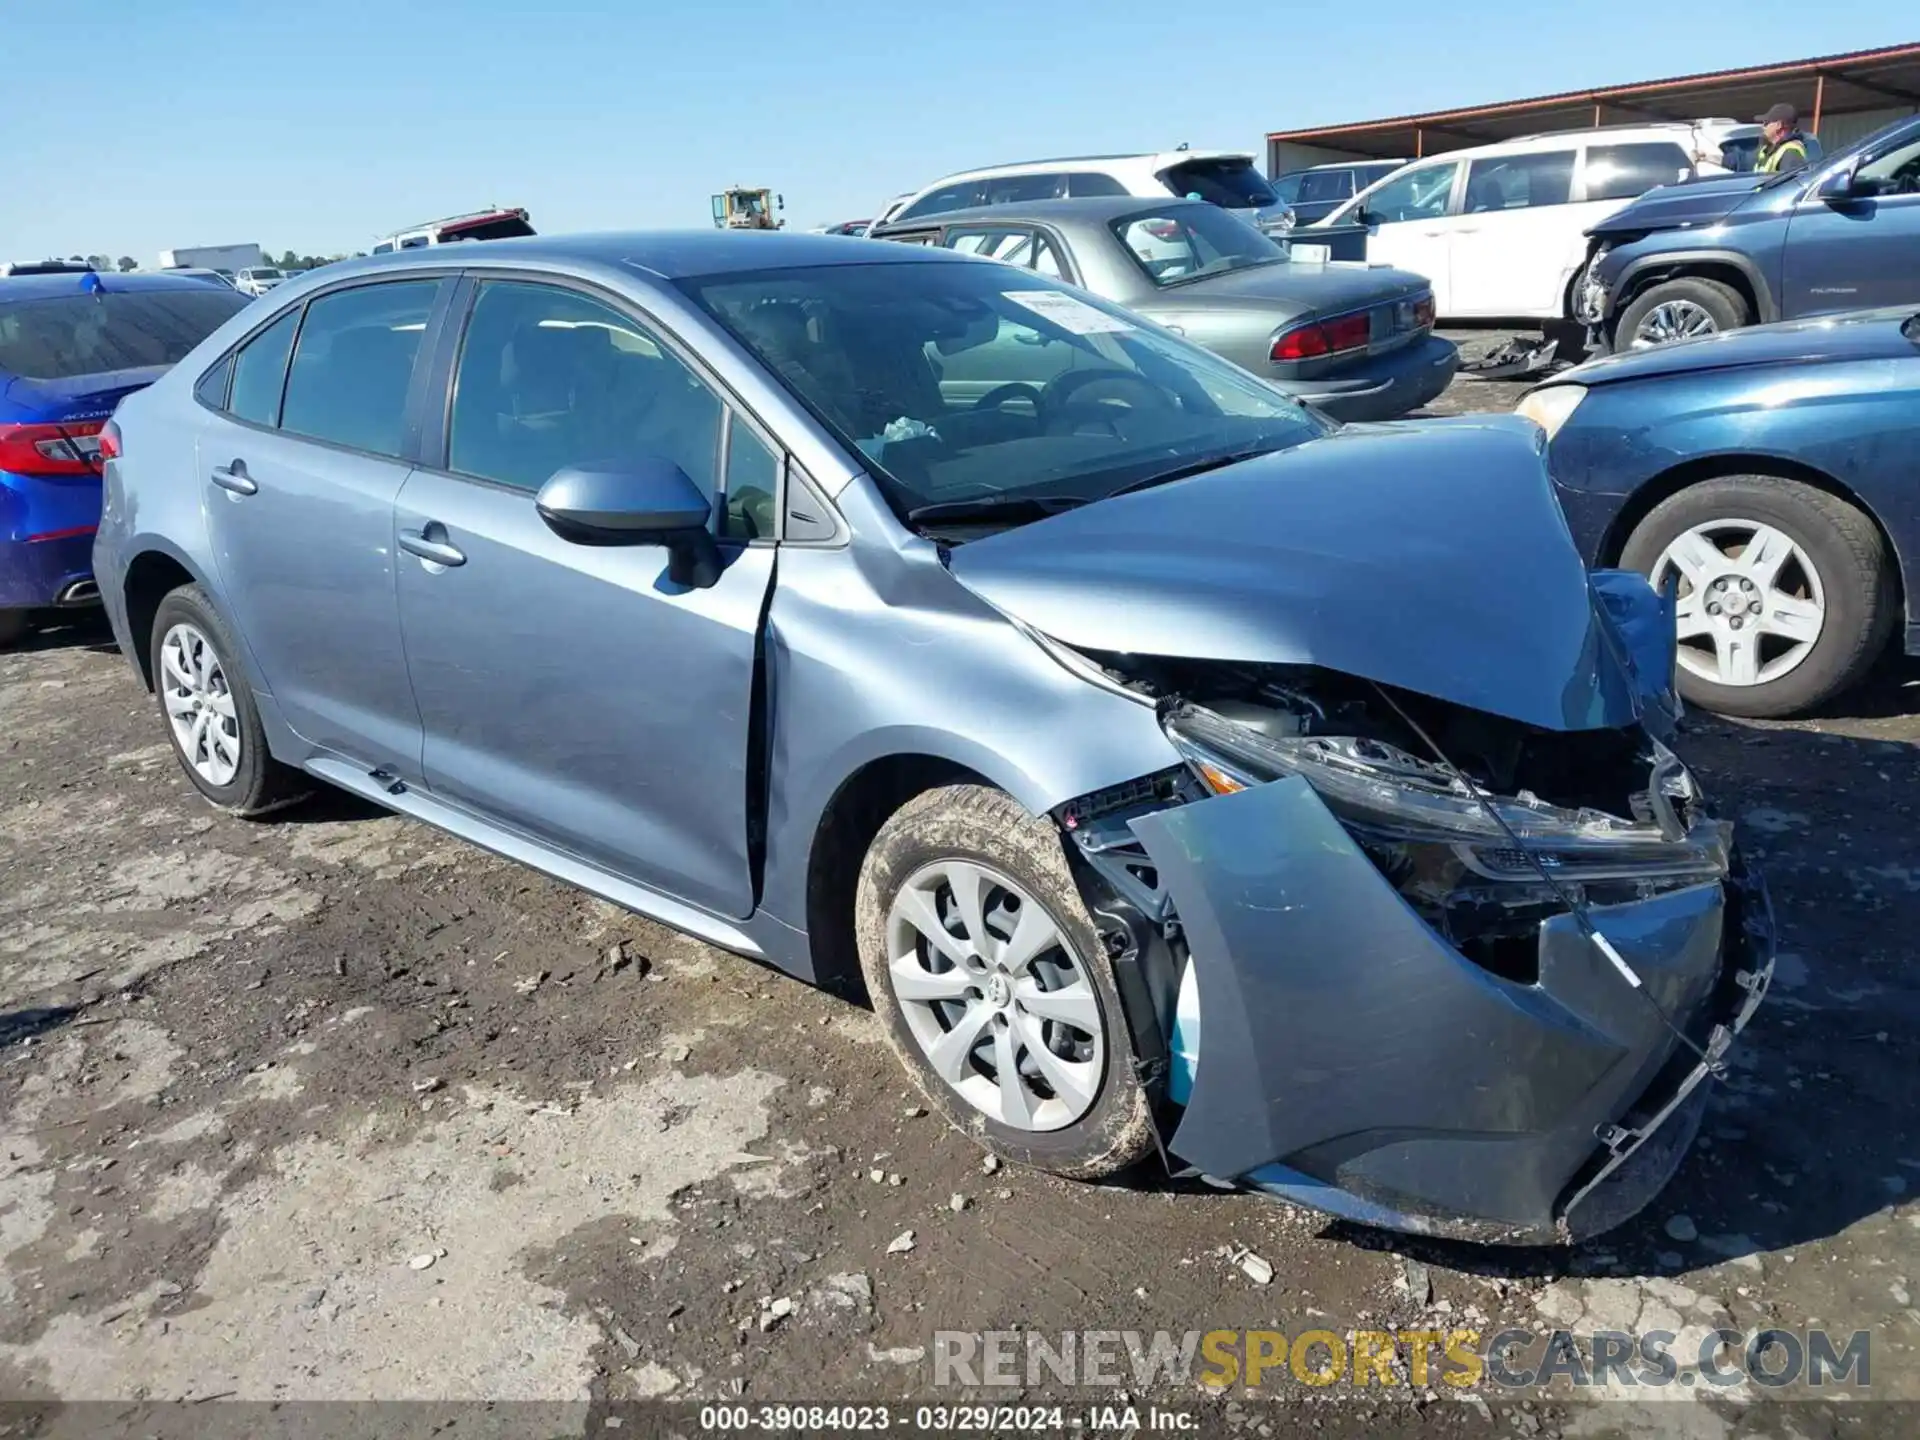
point(1787, 146)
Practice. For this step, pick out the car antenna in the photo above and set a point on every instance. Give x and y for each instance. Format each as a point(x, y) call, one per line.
point(1577, 907)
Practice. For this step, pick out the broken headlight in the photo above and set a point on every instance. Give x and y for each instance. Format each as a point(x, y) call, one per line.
point(1384, 794)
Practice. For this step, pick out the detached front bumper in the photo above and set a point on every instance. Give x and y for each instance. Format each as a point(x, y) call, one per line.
point(1383, 387)
point(1352, 1060)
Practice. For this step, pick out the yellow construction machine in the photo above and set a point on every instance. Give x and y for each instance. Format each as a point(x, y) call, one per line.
point(742, 208)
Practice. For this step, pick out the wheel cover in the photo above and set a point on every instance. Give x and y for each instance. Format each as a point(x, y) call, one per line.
point(199, 703)
point(1671, 321)
point(1751, 604)
point(995, 997)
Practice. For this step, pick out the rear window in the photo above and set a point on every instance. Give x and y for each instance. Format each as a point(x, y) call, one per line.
point(1232, 183)
point(1191, 242)
point(507, 227)
point(60, 337)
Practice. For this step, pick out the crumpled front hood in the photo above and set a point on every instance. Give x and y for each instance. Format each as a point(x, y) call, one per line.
point(1427, 555)
point(1699, 202)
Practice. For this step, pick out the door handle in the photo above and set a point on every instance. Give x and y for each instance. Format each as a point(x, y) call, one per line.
point(234, 477)
point(415, 542)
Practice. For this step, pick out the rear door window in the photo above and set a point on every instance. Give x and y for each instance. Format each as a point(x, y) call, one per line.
point(1011, 245)
point(353, 365)
point(959, 196)
point(61, 337)
point(1232, 183)
point(1084, 183)
point(260, 372)
point(1621, 172)
point(1018, 189)
point(1519, 182)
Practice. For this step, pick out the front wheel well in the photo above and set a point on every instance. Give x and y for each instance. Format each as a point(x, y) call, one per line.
point(1721, 272)
point(150, 579)
point(863, 803)
point(1714, 467)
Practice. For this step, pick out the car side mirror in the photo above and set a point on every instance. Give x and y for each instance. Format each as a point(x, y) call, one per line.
point(1842, 184)
point(647, 501)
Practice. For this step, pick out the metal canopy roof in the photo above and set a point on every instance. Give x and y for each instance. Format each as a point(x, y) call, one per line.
point(1827, 85)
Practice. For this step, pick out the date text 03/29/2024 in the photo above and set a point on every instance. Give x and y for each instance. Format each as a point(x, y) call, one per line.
point(951, 1419)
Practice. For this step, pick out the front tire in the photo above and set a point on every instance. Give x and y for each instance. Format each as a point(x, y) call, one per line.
point(209, 712)
point(1786, 595)
point(14, 625)
point(1683, 309)
point(993, 986)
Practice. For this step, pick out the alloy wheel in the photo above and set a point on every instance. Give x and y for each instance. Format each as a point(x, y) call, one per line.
point(199, 703)
point(995, 996)
point(1671, 321)
point(1751, 603)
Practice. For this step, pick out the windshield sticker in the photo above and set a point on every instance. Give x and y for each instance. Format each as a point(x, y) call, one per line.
point(1074, 316)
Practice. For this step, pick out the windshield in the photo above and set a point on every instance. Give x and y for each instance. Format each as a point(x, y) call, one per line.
point(60, 337)
point(971, 382)
point(266, 275)
point(1191, 242)
point(1232, 183)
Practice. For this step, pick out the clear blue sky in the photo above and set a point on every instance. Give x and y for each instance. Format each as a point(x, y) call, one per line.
point(127, 128)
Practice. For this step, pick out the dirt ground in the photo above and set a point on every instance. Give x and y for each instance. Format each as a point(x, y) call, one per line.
point(335, 1108)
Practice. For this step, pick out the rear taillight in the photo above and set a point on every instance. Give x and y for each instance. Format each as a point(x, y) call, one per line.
point(69, 448)
point(1303, 342)
point(109, 442)
point(1325, 337)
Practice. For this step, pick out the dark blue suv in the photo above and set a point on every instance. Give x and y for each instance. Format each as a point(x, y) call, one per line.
point(1689, 260)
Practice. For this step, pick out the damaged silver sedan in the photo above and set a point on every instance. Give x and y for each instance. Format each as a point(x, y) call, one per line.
point(1179, 773)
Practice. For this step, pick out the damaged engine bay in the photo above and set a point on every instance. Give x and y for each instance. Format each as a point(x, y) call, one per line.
point(1502, 838)
point(1612, 813)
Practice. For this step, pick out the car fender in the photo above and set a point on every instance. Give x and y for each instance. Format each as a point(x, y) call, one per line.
point(893, 658)
point(1644, 266)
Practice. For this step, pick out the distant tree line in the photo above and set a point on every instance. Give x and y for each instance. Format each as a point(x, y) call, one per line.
point(287, 261)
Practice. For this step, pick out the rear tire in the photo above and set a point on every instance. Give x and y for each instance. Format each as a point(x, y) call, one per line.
point(1835, 577)
point(1078, 1110)
point(209, 713)
point(1681, 309)
point(14, 626)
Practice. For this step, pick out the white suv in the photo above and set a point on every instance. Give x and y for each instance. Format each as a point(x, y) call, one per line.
point(1501, 230)
point(1228, 178)
point(258, 279)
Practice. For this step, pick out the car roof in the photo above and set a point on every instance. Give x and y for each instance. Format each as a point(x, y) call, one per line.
point(1091, 210)
point(1564, 140)
point(1360, 164)
point(24, 287)
point(664, 254)
point(1162, 157)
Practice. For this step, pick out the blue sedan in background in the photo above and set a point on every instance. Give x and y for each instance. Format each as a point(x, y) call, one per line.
point(1769, 477)
point(71, 346)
